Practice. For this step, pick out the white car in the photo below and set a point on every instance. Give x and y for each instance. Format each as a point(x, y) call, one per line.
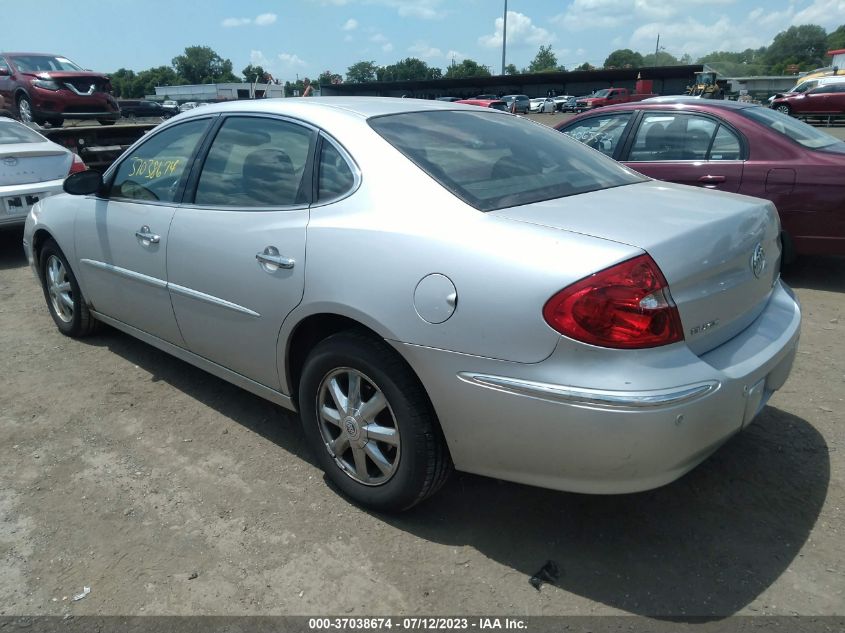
point(188, 105)
point(560, 101)
point(170, 106)
point(542, 105)
point(31, 168)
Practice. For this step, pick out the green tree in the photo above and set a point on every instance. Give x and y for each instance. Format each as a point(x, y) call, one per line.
point(254, 72)
point(122, 82)
point(623, 58)
point(409, 68)
point(836, 39)
point(146, 81)
point(661, 58)
point(737, 64)
point(803, 45)
point(361, 72)
point(544, 61)
point(201, 65)
point(511, 69)
point(467, 68)
point(585, 66)
point(294, 88)
point(328, 77)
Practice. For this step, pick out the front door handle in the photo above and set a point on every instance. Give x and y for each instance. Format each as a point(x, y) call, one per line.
point(145, 235)
point(270, 258)
point(711, 180)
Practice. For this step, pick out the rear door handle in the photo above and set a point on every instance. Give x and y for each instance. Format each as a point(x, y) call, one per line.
point(145, 235)
point(271, 258)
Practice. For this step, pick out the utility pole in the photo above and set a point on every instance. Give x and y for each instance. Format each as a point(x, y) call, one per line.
point(656, 48)
point(504, 35)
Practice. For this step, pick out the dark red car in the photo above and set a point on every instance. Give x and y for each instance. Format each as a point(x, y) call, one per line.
point(734, 147)
point(826, 99)
point(496, 104)
point(51, 88)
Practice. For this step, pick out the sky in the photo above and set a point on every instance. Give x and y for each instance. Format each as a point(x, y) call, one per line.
point(306, 37)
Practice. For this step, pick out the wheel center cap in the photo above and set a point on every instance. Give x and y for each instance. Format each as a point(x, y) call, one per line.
point(352, 428)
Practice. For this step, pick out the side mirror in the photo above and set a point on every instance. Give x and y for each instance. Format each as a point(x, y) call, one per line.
point(83, 183)
point(4, 72)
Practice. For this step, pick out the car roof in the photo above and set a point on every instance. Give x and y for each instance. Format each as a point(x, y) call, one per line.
point(32, 54)
point(681, 103)
point(361, 107)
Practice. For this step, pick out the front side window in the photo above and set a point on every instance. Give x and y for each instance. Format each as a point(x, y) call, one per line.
point(493, 161)
point(335, 177)
point(255, 162)
point(154, 169)
point(600, 132)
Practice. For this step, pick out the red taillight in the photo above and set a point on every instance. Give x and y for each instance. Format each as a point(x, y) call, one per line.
point(626, 306)
point(77, 165)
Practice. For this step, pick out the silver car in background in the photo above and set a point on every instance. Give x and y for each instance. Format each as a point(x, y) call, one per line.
point(431, 284)
point(31, 168)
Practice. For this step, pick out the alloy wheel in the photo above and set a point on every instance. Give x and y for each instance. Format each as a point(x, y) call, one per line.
point(59, 289)
point(358, 427)
point(25, 110)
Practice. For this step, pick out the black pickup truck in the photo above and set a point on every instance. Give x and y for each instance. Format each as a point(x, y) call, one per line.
point(133, 108)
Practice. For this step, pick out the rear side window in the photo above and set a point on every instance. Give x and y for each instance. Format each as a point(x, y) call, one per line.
point(493, 161)
point(12, 132)
point(336, 177)
point(255, 162)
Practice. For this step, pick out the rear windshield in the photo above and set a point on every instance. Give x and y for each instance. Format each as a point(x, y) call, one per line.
point(12, 132)
point(492, 161)
point(798, 131)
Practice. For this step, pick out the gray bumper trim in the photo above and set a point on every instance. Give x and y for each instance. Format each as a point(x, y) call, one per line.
point(636, 400)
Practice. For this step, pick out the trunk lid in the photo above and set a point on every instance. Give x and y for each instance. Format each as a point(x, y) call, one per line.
point(25, 163)
point(703, 241)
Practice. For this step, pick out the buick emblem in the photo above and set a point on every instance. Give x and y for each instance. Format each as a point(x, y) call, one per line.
point(11, 161)
point(758, 260)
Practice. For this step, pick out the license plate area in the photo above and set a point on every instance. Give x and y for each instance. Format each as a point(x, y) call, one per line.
point(20, 205)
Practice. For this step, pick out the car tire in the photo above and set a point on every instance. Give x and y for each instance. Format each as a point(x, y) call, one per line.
point(25, 113)
point(411, 449)
point(106, 121)
point(61, 291)
point(784, 109)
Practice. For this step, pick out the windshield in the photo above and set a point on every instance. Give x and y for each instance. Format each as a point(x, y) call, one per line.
point(601, 93)
point(796, 130)
point(804, 87)
point(13, 132)
point(44, 63)
point(492, 161)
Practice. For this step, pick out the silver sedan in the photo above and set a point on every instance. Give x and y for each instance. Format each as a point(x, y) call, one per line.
point(392, 270)
point(31, 168)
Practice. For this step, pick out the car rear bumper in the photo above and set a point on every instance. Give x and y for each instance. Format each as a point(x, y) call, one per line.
point(607, 421)
point(40, 190)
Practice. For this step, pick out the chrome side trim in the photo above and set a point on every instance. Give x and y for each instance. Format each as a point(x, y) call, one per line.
point(198, 361)
point(201, 296)
point(123, 272)
point(637, 400)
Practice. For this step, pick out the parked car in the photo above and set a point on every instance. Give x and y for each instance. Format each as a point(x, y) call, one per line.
point(735, 147)
point(496, 104)
point(541, 105)
point(561, 101)
point(171, 106)
point(825, 99)
point(807, 84)
point(31, 169)
point(50, 88)
point(188, 105)
point(134, 108)
point(570, 105)
point(487, 97)
point(450, 99)
point(518, 104)
point(600, 332)
point(609, 96)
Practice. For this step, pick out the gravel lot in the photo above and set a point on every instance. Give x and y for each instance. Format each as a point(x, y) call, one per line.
point(168, 491)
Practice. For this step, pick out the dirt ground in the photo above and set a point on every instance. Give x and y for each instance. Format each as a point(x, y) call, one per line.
point(168, 491)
